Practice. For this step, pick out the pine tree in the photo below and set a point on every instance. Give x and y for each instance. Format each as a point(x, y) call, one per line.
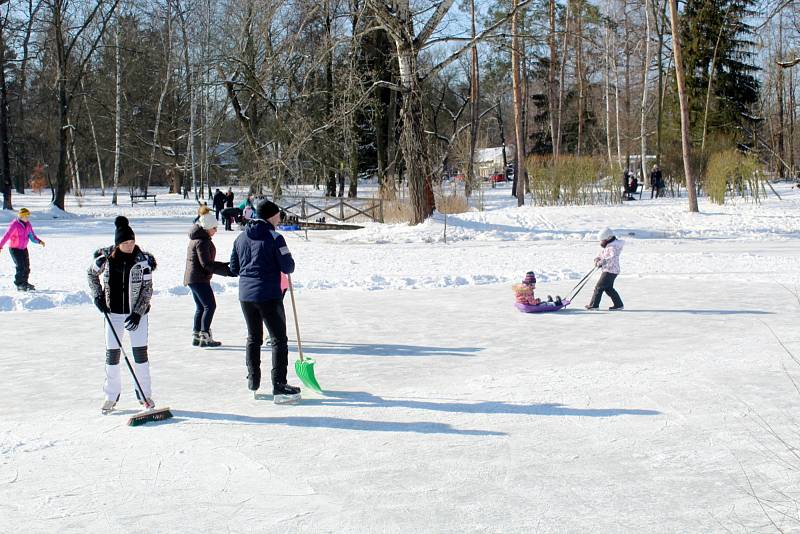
point(717, 44)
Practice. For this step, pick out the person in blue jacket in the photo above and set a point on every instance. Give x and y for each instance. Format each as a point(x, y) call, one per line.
point(259, 257)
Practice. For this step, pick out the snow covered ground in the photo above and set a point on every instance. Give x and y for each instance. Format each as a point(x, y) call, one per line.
point(446, 410)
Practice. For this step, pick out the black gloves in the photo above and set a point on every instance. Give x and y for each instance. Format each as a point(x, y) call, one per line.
point(132, 321)
point(100, 302)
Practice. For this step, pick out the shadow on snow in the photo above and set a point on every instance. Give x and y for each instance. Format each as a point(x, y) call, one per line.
point(368, 349)
point(359, 398)
point(336, 423)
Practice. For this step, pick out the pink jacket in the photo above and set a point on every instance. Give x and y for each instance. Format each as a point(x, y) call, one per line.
point(18, 234)
point(608, 258)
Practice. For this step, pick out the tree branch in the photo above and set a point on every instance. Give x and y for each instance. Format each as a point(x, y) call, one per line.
point(478, 38)
point(433, 22)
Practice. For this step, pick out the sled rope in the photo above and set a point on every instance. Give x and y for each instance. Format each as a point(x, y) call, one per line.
point(580, 285)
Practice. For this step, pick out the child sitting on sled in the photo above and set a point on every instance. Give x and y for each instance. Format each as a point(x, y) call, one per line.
point(524, 291)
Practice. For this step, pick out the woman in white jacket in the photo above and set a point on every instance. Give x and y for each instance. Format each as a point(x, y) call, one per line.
point(608, 261)
point(121, 281)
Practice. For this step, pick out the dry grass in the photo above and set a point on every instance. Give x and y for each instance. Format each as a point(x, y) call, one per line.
point(452, 203)
point(396, 211)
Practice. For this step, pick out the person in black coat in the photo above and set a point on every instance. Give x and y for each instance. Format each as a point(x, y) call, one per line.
point(656, 182)
point(259, 257)
point(218, 202)
point(229, 198)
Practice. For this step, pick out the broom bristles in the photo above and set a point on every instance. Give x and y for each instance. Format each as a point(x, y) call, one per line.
point(150, 415)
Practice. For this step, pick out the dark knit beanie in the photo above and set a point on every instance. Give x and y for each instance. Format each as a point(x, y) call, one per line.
point(266, 209)
point(124, 232)
point(530, 278)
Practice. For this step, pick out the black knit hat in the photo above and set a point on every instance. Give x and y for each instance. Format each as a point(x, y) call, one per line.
point(123, 232)
point(266, 209)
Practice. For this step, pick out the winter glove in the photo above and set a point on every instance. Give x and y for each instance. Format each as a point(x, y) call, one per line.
point(41, 242)
point(132, 322)
point(100, 302)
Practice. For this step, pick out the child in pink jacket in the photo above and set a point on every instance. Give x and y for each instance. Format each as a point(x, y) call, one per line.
point(17, 236)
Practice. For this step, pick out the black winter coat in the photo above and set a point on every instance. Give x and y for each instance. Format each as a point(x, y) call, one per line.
point(259, 257)
point(200, 259)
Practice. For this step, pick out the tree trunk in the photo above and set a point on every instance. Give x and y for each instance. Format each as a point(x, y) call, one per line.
point(5, 160)
point(684, 105)
point(660, 112)
point(779, 83)
point(791, 124)
point(94, 141)
point(420, 188)
point(474, 97)
point(63, 105)
point(519, 172)
point(557, 141)
point(117, 116)
point(162, 96)
point(607, 84)
point(643, 109)
point(551, 74)
point(579, 75)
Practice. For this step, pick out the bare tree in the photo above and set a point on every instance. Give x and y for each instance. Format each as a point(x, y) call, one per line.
point(398, 19)
point(684, 105)
point(5, 160)
point(74, 47)
point(519, 171)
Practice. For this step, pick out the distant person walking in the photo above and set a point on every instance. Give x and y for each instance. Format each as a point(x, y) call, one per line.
point(229, 198)
point(656, 182)
point(218, 202)
point(19, 232)
point(201, 265)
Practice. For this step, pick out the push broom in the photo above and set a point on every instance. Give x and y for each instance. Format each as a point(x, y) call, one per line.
point(304, 367)
point(152, 414)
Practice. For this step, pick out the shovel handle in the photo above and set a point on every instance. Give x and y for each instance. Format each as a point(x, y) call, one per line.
point(294, 312)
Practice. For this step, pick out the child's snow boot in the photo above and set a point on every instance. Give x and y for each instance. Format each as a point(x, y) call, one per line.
point(195, 338)
point(207, 341)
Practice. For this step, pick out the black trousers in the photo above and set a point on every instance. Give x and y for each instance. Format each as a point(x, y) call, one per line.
point(271, 314)
point(605, 285)
point(205, 306)
point(23, 263)
point(217, 209)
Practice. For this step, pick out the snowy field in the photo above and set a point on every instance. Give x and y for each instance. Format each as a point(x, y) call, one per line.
point(446, 410)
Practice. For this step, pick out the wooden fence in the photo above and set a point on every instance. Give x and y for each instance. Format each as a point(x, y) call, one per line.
point(337, 209)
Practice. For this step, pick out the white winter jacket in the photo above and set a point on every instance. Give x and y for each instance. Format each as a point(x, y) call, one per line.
point(608, 259)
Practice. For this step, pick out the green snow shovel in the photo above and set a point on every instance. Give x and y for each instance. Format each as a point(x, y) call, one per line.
point(304, 367)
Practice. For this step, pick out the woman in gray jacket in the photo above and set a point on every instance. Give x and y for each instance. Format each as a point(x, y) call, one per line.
point(200, 267)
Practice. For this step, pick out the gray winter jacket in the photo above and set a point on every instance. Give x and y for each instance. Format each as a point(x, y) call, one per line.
point(140, 281)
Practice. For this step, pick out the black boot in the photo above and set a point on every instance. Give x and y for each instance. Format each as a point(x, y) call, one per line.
point(253, 379)
point(285, 389)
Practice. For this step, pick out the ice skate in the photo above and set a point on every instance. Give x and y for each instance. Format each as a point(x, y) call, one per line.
point(285, 394)
point(108, 406)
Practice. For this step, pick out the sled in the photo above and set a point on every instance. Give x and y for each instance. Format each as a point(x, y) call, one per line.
point(544, 307)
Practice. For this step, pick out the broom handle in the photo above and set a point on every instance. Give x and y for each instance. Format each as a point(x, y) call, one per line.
point(130, 368)
point(296, 323)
